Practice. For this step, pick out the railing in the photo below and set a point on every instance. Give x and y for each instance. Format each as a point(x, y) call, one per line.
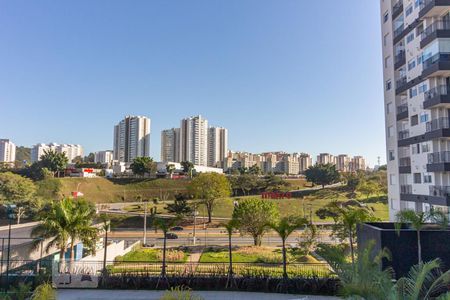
point(439, 57)
point(405, 189)
point(404, 134)
point(400, 82)
point(424, 3)
point(397, 6)
point(439, 123)
point(405, 161)
point(440, 90)
point(437, 25)
point(399, 31)
point(439, 190)
point(399, 57)
point(402, 108)
point(439, 157)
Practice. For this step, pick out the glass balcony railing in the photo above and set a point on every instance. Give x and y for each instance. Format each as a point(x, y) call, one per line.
point(439, 190)
point(404, 134)
point(439, 57)
point(400, 57)
point(406, 189)
point(402, 108)
point(439, 157)
point(439, 123)
point(399, 30)
point(405, 162)
point(400, 82)
point(441, 90)
point(437, 25)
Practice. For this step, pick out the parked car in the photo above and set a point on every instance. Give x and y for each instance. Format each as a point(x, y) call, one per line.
point(171, 236)
point(177, 228)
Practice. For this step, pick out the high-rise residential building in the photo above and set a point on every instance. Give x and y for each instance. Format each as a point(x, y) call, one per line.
point(217, 146)
point(104, 157)
point(343, 163)
point(416, 72)
point(170, 145)
point(7, 151)
point(131, 138)
point(357, 163)
point(325, 158)
point(194, 140)
point(305, 161)
point(71, 150)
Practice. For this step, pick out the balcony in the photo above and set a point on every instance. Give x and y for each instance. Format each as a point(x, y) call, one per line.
point(438, 161)
point(438, 195)
point(400, 59)
point(437, 96)
point(437, 65)
point(402, 112)
point(438, 29)
point(406, 189)
point(432, 8)
point(404, 134)
point(397, 9)
point(405, 165)
point(438, 124)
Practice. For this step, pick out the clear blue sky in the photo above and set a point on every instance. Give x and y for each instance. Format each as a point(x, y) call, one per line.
point(280, 75)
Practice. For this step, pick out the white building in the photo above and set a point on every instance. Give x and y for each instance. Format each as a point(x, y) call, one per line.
point(343, 163)
point(194, 140)
point(217, 146)
point(416, 72)
point(305, 161)
point(7, 151)
point(132, 138)
point(162, 168)
point(170, 145)
point(325, 158)
point(104, 157)
point(72, 151)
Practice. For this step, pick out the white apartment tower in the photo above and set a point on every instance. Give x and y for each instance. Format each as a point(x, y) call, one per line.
point(325, 158)
point(170, 145)
point(72, 151)
point(416, 71)
point(7, 151)
point(217, 146)
point(132, 138)
point(194, 140)
point(305, 161)
point(104, 157)
point(343, 163)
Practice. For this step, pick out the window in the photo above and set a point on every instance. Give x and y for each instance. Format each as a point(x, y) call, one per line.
point(411, 64)
point(388, 85)
point(412, 92)
point(390, 131)
point(385, 39)
point(426, 178)
point(391, 179)
point(422, 88)
point(410, 37)
point(389, 107)
point(417, 178)
point(386, 17)
point(387, 61)
point(417, 3)
point(425, 147)
point(391, 155)
point(419, 59)
point(409, 10)
point(414, 120)
point(416, 149)
point(423, 117)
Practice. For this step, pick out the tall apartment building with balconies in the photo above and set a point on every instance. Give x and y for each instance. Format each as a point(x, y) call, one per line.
point(217, 146)
point(72, 151)
point(170, 145)
point(416, 71)
point(7, 151)
point(194, 140)
point(131, 138)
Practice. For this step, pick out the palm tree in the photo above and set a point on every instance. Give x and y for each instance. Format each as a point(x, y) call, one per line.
point(417, 221)
point(284, 227)
point(230, 226)
point(164, 224)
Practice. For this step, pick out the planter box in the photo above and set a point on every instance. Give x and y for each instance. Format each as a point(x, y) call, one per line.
point(435, 244)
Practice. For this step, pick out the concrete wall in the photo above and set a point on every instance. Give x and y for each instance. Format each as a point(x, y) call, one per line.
point(113, 250)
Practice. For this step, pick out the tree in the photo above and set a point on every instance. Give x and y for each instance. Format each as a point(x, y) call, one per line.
point(352, 181)
point(246, 183)
point(230, 227)
point(188, 167)
point(254, 170)
point(417, 221)
point(285, 227)
point(180, 206)
point(274, 183)
point(322, 174)
point(143, 165)
point(18, 190)
point(53, 161)
point(308, 240)
point(170, 169)
point(252, 216)
point(208, 187)
point(90, 158)
point(367, 188)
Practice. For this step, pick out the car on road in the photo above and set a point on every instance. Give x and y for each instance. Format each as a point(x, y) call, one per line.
point(171, 236)
point(177, 228)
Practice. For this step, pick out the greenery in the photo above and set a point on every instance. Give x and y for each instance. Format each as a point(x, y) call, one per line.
point(208, 187)
point(252, 216)
point(53, 161)
point(180, 206)
point(164, 224)
point(152, 255)
point(44, 292)
point(180, 293)
point(143, 165)
point(322, 174)
point(188, 167)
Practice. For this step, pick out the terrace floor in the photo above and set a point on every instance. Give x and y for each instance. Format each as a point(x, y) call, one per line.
point(86, 294)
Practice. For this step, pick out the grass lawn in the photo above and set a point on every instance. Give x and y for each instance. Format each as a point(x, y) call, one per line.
point(153, 255)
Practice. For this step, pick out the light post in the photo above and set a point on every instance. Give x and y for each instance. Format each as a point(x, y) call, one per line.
point(145, 222)
point(10, 214)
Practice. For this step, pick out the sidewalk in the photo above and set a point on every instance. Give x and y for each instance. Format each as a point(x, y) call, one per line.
point(87, 294)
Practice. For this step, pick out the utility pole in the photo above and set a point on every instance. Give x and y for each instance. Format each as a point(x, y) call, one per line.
point(145, 223)
point(10, 212)
point(195, 219)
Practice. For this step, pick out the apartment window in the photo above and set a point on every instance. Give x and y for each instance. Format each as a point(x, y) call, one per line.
point(414, 120)
point(426, 178)
point(411, 64)
point(423, 87)
point(391, 179)
point(389, 107)
point(423, 117)
point(412, 92)
point(417, 3)
point(388, 85)
point(386, 39)
point(416, 149)
point(390, 131)
point(425, 147)
point(409, 10)
point(419, 59)
point(410, 37)
point(387, 61)
point(385, 17)
point(391, 155)
point(417, 178)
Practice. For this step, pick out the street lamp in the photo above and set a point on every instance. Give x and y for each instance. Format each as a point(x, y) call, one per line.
point(11, 216)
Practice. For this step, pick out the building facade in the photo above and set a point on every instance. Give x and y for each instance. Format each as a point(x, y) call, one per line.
point(343, 163)
point(217, 146)
point(104, 157)
point(71, 150)
point(132, 138)
point(305, 161)
point(170, 145)
point(7, 151)
point(416, 72)
point(194, 140)
point(325, 158)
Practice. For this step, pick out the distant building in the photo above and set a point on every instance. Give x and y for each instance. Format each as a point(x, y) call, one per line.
point(131, 138)
point(194, 140)
point(357, 163)
point(305, 161)
point(343, 163)
point(7, 151)
point(217, 146)
point(170, 145)
point(162, 168)
point(104, 157)
point(325, 158)
point(72, 151)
